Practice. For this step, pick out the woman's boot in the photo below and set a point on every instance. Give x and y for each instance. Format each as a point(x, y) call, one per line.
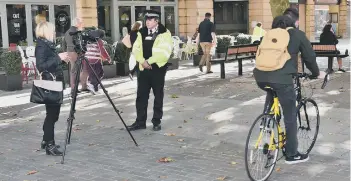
point(51, 149)
point(43, 144)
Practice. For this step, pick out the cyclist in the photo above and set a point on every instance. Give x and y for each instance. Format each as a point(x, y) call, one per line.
point(281, 80)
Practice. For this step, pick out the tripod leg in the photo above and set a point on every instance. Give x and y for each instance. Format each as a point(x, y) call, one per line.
point(111, 102)
point(72, 110)
point(74, 98)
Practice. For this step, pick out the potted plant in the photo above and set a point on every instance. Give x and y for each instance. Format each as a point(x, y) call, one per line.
point(243, 39)
point(12, 63)
point(110, 69)
point(121, 57)
point(174, 60)
point(222, 45)
point(197, 56)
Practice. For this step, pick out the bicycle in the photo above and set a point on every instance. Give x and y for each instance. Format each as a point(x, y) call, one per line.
point(269, 122)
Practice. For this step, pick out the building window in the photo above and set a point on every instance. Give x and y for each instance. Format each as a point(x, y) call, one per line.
point(231, 17)
point(170, 19)
point(125, 21)
point(16, 23)
point(62, 15)
point(39, 13)
point(104, 21)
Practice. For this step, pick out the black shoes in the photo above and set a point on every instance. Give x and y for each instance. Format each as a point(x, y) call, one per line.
point(43, 144)
point(51, 149)
point(200, 67)
point(157, 127)
point(157, 124)
point(136, 126)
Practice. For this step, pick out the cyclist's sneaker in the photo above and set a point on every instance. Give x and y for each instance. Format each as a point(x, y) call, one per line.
point(340, 71)
point(298, 158)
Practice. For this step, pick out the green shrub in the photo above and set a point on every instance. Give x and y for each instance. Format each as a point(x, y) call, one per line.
point(222, 44)
point(122, 53)
point(12, 62)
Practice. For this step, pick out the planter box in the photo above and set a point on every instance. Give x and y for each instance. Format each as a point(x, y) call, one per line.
point(174, 62)
point(122, 69)
point(196, 60)
point(220, 55)
point(10, 82)
point(109, 71)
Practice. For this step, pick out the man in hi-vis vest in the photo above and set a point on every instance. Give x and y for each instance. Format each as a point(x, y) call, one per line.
point(152, 49)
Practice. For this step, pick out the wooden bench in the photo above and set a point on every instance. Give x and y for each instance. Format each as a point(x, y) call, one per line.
point(330, 51)
point(237, 53)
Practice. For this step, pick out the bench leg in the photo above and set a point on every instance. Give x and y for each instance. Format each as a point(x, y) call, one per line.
point(222, 71)
point(330, 63)
point(240, 65)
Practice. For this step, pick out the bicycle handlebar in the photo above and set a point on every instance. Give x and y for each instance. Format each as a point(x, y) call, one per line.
point(306, 75)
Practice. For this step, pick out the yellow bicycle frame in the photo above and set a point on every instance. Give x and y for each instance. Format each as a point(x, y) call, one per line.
point(276, 112)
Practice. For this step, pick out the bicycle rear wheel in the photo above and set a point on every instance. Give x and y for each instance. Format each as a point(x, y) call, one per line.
point(263, 146)
point(307, 125)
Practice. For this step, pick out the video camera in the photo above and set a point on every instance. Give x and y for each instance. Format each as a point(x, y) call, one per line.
point(82, 38)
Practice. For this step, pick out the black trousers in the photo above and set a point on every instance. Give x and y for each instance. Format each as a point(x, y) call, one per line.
point(287, 99)
point(148, 79)
point(52, 115)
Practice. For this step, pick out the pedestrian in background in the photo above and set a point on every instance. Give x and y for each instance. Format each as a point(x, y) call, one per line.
point(207, 38)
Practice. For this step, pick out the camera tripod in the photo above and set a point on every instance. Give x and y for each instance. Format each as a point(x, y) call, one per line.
point(78, 68)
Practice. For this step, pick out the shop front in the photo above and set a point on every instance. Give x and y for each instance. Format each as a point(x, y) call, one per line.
point(123, 14)
point(18, 19)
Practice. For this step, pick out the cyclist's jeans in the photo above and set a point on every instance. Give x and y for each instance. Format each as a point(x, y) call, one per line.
point(287, 99)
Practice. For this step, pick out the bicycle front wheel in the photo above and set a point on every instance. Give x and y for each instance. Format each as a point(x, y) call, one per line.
point(262, 147)
point(307, 125)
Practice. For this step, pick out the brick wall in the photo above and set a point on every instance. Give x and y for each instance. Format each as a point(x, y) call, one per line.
point(191, 13)
point(260, 11)
point(309, 26)
point(86, 9)
point(343, 18)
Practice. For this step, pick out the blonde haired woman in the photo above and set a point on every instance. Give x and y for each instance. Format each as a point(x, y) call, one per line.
point(48, 61)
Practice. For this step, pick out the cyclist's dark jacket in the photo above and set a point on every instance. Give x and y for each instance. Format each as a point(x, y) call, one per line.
point(298, 43)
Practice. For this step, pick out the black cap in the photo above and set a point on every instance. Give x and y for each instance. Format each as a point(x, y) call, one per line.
point(149, 14)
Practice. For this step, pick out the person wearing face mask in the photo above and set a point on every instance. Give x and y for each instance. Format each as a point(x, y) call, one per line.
point(151, 49)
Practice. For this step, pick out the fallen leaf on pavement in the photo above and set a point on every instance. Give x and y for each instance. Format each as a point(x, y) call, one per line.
point(37, 150)
point(91, 144)
point(121, 128)
point(32, 172)
point(233, 163)
point(179, 126)
point(180, 140)
point(221, 178)
point(169, 134)
point(183, 146)
point(162, 177)
point(278, 169)
point(216, 134)
point(165, 160)
point(30, 120)
point(174, 96)
point(1, 153)
point(185, 121)
point(98, 121)
point(76, 129)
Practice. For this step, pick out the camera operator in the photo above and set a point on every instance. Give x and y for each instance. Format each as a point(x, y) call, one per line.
point(152, 50)
point(77, 26)
point(96, 53)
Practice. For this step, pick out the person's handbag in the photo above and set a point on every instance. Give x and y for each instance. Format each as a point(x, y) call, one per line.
point(126, 41)
point(47, 91)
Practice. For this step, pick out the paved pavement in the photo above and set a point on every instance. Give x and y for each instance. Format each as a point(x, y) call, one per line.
point(205, 125)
